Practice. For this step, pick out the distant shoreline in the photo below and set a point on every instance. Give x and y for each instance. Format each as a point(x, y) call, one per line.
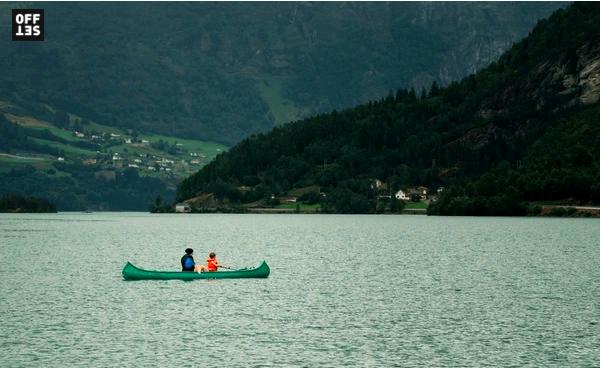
point(549, 211)
point(594, 212)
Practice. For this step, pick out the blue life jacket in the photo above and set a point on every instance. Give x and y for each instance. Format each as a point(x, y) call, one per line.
point(187, 263)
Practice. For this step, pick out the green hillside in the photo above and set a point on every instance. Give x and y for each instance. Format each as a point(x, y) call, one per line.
point(221, 71)
point(524, 129)
point(80, 164)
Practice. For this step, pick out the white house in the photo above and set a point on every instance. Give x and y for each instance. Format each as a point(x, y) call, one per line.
point(183, 208)
point(402, 196)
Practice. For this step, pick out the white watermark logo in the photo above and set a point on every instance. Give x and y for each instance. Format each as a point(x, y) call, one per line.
point(28, 24)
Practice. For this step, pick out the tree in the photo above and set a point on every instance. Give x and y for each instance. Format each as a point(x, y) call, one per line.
point(434, 90)
point(62, 119)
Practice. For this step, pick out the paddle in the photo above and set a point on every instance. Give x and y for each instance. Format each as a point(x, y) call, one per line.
point(235, 269)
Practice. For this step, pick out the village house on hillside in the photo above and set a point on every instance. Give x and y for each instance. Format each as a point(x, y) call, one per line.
point(401, 195)
point(183, 208)
point(288, 199)
point(408, 194)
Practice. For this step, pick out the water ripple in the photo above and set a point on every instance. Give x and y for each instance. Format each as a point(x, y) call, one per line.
point(390, 291)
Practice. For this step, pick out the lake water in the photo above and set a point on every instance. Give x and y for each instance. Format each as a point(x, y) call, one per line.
point(377, 291)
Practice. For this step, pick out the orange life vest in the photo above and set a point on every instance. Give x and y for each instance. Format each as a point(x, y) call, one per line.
point(211, 264)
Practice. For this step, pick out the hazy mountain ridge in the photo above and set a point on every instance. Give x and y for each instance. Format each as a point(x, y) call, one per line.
point(223, 71)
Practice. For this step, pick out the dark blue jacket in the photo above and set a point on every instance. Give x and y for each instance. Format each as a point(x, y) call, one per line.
point(187, 263)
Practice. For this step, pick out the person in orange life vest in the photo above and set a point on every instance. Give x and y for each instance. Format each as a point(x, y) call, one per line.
point(212, 264)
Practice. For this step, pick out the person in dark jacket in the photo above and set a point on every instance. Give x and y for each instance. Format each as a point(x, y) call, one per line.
point(187, 261)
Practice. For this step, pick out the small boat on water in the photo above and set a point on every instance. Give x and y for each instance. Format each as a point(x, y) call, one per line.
point(131, 272)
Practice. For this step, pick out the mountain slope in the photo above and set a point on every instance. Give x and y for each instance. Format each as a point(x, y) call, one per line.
point(493, 127)
point(219, 71)
point(79, 164)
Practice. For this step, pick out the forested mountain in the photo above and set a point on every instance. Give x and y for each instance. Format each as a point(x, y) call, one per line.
point(524, 129)
point(220, 71)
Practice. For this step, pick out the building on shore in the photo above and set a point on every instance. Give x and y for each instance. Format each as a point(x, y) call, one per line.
point(183, 208)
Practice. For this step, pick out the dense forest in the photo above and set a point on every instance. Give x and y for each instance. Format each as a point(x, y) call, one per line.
point(524, 129)
point(25, 204)
point(125, 191)
point(221, 71)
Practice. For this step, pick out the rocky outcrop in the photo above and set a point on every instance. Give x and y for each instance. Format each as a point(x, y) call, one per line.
point(588, 77)
point(576, 77)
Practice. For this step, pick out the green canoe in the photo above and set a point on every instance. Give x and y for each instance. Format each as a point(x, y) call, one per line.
point(130, 272)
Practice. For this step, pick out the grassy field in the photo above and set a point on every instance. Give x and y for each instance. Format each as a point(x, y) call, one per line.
point(7, 162)
point(30, 122)
point(416, 206)
point(207, 149)
point(303, 207)
point(282, 109)
point(297, 192)
point(70, 151)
